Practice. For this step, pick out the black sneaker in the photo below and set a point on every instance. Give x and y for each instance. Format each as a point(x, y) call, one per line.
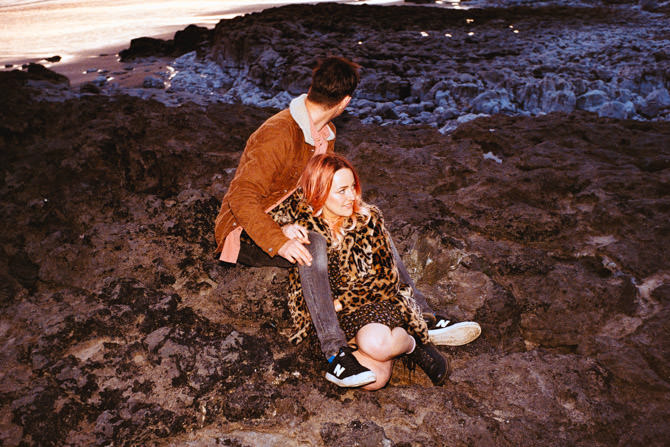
point(445, 331)
point(431, 362)
point(345, 370)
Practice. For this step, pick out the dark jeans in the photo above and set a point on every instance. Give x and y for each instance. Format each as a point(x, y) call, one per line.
point(316, 287)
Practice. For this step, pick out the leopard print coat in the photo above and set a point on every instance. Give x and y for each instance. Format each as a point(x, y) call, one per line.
point(361, 268)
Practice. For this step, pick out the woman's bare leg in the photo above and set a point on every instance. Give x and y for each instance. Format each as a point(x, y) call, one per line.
point(382, 343)
point(378, 345)
point(382, 370)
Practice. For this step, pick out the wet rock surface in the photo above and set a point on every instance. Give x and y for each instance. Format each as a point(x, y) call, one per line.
point(118, 326)
point(433, 65)
point(421, 65)
point(189, 39)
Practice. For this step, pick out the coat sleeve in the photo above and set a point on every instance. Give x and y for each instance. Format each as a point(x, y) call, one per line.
point(259, 167)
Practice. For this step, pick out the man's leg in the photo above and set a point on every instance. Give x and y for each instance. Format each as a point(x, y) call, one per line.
point(252, 255)
point(319, 298)
point(344, 369)
point(442, 330)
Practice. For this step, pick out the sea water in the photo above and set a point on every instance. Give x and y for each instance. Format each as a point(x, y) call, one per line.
point(31, 30)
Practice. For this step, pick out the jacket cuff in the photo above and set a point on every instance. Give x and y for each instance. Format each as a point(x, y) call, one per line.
point(273, 243)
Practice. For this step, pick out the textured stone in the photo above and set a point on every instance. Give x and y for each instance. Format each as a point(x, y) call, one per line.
point(119, 326)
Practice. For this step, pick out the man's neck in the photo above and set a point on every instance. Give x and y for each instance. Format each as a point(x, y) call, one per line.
point(319, 116)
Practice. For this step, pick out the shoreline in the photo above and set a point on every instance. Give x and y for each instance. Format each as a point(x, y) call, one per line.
point(106, 62)
point(442, 94)
point(87, 67)
point(72, 61)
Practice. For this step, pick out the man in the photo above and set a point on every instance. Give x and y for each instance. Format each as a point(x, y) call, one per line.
point(268, 172)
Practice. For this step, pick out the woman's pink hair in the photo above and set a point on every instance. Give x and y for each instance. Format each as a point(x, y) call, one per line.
point(317, 178)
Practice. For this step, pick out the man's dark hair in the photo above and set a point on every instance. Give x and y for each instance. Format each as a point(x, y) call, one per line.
point(332, 80)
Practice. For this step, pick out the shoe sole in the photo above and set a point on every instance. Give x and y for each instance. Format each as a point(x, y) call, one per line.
point(456, 335)
point(361, 379)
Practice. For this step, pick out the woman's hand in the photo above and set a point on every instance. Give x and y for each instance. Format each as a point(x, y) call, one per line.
point(296, 232)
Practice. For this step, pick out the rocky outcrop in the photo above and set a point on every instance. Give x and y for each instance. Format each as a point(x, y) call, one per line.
point(118, 326)
point(189, 39)
point(34, 73)
point(433, 65)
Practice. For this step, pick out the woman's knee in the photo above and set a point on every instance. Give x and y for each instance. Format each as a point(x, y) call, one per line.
point(376, 341)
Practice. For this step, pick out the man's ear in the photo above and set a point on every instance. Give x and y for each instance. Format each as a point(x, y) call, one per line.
point(344, 103)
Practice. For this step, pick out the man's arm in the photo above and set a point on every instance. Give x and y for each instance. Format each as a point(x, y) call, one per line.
point(259, 166)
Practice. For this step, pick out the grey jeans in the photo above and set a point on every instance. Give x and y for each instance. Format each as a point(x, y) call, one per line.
point(316, 288)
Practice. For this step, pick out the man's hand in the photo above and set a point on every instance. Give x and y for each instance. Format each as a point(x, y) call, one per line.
point(297, 232)
point(294, 251)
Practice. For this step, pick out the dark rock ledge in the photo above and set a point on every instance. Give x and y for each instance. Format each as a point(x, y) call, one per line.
point(118, 326)
point(436, 66)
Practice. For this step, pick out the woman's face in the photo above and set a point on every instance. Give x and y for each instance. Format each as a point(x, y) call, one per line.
point(340, 201)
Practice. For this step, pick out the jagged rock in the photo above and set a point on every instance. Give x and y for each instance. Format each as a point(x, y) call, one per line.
point(153, 82)
point(256, 61)
point(138, 335)
point(186, 40)
point(259, 60)
point(592, 101)
point(655, 102)
point(558, 101)
point(492, 102)
point(143, 47)
point(207, 79)
point(617, 109)
point(550, 230)
point(190, 39)
point(39, 72)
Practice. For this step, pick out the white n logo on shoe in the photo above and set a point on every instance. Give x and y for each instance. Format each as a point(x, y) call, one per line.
point(442, 323)
point(339, 369)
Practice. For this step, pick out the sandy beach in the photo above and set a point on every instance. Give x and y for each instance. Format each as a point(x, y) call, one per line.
point(129, 74)
point(87, 36)
point(82, 60)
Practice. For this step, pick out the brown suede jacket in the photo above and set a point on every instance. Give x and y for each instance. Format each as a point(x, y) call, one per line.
point(271, 165)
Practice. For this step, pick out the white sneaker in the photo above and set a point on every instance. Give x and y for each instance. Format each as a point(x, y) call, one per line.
point(345, 371)
point(449, 332)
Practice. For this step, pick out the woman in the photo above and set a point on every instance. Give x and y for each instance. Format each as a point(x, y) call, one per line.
point(375, 310)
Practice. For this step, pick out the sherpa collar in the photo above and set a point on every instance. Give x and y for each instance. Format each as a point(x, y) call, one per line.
point(299, 113)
